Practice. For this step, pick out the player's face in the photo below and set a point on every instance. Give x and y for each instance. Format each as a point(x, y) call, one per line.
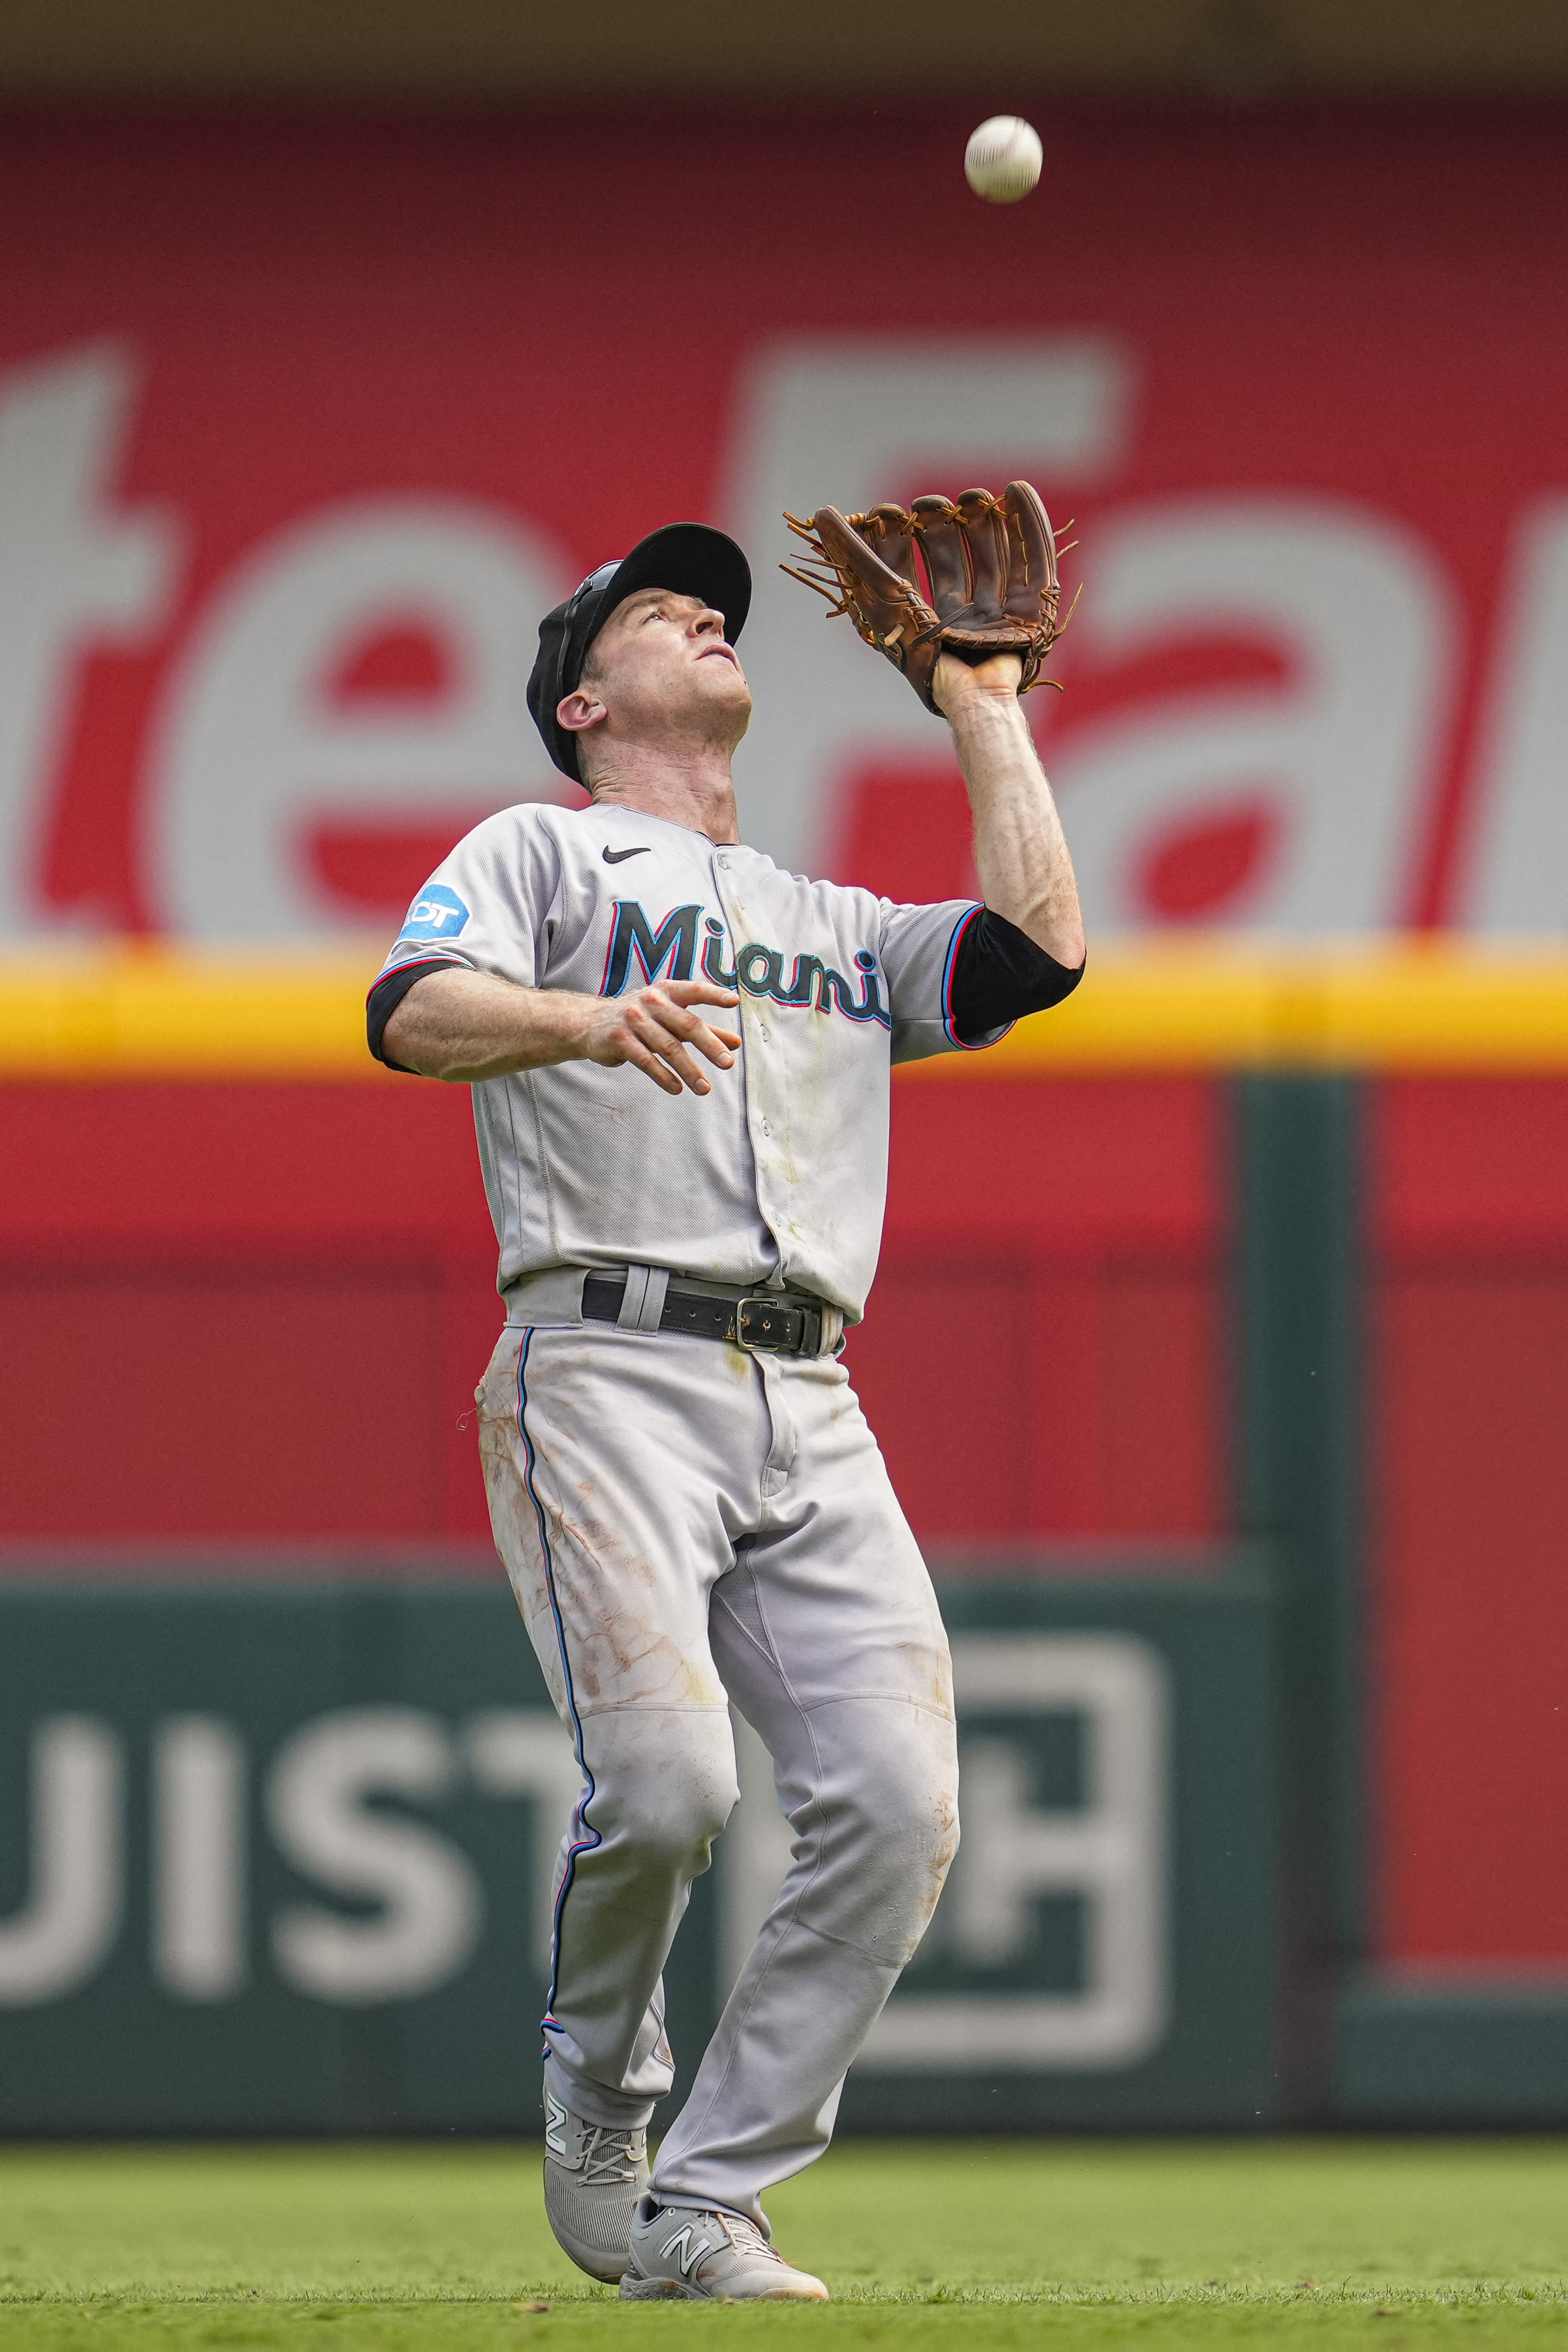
point(662, 670)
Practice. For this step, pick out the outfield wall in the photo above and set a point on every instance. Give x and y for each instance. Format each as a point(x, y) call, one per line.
point(1232, 1249)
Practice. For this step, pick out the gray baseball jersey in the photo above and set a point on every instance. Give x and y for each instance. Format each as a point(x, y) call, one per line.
point(782, 1170)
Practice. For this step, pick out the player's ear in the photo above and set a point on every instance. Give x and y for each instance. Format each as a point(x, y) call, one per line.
point(579, 709)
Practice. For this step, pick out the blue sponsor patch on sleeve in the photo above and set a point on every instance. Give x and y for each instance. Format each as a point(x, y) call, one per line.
point(438, 913)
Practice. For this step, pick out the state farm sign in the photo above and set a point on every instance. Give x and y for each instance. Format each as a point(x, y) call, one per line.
point(364, 662)
point(280, 510)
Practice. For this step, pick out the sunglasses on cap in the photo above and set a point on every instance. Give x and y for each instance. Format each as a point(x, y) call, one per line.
point(595, 582)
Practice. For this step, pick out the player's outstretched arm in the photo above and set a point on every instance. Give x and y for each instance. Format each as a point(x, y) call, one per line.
point(1020, 850)
point(464, 1026)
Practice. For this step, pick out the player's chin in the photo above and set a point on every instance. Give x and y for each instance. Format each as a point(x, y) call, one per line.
point(724, 709)
point(723, 679)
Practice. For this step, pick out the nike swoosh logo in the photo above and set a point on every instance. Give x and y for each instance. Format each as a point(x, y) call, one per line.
point(619, 857)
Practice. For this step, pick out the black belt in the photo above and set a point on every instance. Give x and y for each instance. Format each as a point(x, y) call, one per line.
point(747, 1318)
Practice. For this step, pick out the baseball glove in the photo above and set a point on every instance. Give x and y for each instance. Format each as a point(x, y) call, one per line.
point(991, 584)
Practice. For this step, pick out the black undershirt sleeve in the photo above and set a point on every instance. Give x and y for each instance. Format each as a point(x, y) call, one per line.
point(387, 996)
point(999, 975)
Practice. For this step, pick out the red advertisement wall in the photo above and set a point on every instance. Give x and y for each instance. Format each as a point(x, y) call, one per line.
point(302, 425)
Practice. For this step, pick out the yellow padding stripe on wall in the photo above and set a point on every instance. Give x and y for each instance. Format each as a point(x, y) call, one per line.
point(135, 1012)
point(1305, 1007)
point(129, 1012)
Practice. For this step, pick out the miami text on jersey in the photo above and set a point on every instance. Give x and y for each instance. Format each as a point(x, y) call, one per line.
point(670, 953)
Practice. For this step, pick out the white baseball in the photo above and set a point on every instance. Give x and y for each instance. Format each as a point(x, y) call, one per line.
point(1002, 161)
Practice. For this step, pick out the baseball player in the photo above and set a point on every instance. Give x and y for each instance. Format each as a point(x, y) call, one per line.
point(680, 1058)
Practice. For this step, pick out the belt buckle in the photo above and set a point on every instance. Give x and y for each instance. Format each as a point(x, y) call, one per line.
point(756, 1308)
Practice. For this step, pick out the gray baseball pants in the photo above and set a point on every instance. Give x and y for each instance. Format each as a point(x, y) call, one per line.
point(685, 1525)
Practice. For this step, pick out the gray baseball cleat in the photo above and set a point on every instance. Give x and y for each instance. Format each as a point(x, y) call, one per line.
point(698, 2254)
point(593, 2178)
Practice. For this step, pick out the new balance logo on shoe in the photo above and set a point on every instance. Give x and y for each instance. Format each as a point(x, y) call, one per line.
point(690, 2254)
point(554, 2125)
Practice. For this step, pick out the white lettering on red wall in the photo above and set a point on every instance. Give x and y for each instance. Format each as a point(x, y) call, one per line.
point(282, 499)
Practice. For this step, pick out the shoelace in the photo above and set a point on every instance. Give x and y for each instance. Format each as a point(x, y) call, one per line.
point(609, 2157)
point(747, 2239)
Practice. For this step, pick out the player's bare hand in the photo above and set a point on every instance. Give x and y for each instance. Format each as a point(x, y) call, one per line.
point(657, 1030)
point(956, 682)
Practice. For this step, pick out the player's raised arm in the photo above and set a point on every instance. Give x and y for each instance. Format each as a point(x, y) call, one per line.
point(463, 1026)
point(961, 595)
point(1021, 854)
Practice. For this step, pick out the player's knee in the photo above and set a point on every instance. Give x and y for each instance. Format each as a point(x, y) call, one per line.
point(908, 1838)
point(669, 1816)
point(912, 1794)
point(917, 1827)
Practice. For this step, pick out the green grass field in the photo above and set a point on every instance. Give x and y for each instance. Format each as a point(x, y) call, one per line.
point(985, 2244)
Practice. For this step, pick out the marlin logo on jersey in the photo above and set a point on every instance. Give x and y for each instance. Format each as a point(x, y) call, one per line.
point(670, 953)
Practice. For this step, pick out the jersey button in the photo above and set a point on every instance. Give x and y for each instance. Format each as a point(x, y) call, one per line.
point(766, 1128)
point(764, 1032)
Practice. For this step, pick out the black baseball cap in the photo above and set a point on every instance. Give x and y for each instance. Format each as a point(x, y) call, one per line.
point(687, 558)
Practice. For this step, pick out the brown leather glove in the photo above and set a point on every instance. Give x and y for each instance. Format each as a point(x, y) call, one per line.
point(991, 571)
